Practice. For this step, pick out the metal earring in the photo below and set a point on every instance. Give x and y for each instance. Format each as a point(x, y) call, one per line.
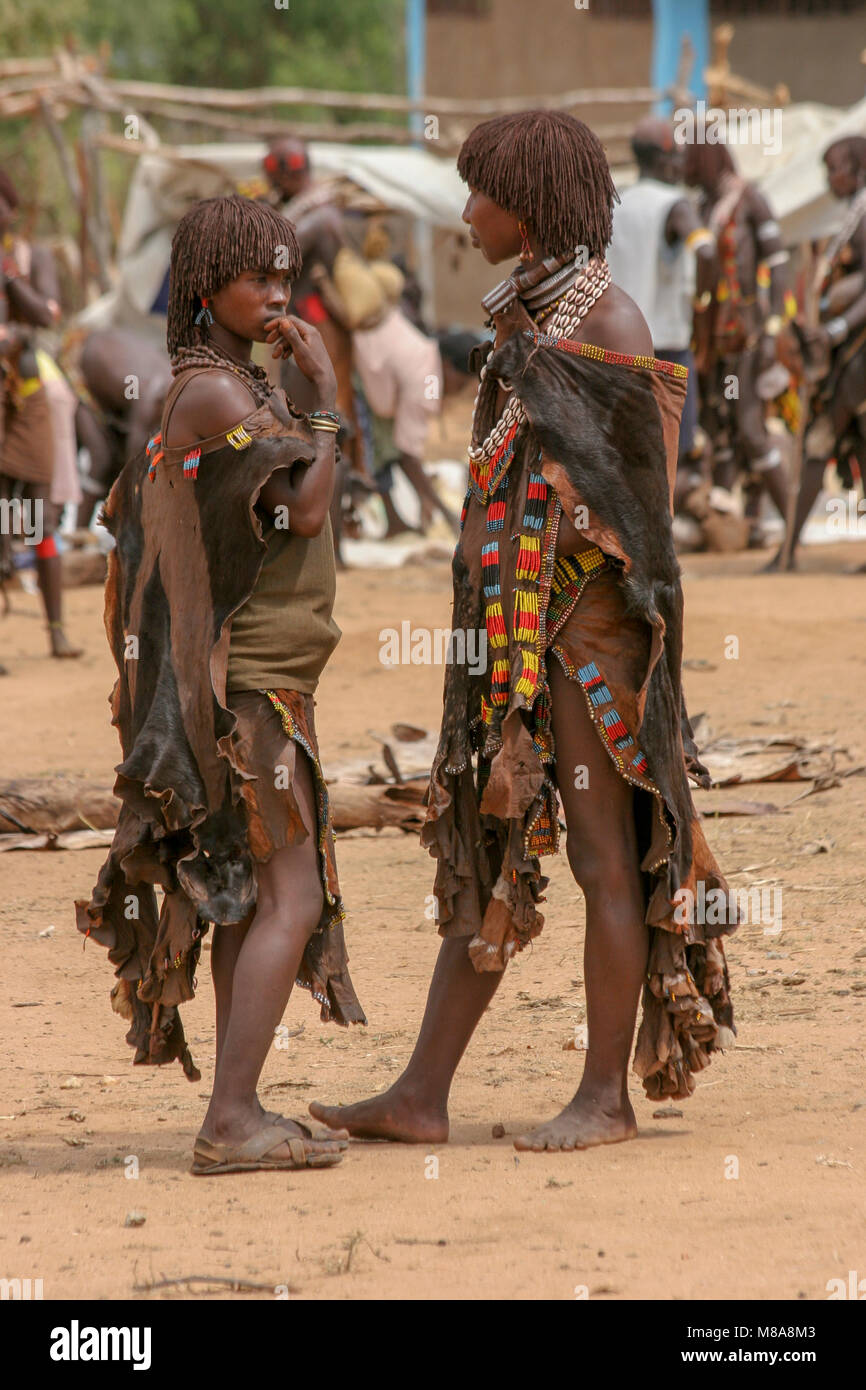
point(204, 314)
point(525, 248)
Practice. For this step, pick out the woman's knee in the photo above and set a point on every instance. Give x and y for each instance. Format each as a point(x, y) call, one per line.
point(293, 905)
point(308, 915)
point(599, 863)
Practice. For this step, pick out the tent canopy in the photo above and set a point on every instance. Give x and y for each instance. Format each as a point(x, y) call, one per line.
point(409, 181)
point(420, 185)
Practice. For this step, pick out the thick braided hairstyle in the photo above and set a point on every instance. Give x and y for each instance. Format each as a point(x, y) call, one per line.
point(215, 242)
point(548, 168)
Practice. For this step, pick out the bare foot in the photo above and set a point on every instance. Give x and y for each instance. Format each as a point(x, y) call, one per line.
point(61, 645)
point(401, 528)
point(581, 1125)
point(775, 566)
point(305, 1129)
point(393, 1115)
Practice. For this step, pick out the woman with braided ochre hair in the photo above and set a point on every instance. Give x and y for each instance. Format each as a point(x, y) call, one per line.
point(566, 561)
point(218, 610)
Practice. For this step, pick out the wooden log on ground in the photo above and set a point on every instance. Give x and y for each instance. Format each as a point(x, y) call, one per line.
point(376, 807)
point(85, 566)
point(55, 805)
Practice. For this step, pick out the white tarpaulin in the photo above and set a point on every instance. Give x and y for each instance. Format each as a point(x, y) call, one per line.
point(410, 181)
point(787, 165)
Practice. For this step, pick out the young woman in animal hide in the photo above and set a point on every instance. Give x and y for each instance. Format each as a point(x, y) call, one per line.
point(566, 561)
point(218, 609)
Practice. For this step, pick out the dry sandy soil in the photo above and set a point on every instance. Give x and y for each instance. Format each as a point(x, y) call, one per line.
point(660, 1218)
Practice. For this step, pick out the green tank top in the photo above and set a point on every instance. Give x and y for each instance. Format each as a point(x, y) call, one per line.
point(282, 637)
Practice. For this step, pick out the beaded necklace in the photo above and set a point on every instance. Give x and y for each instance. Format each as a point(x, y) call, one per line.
point(517, 666)
point(209, 355)
point(490, 458)
point(545, 313)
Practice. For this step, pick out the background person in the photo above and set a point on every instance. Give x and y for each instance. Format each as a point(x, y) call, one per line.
point(744, 341)
point(835, 351)
point(405, 377)
point(663, 256)
point(38, 452)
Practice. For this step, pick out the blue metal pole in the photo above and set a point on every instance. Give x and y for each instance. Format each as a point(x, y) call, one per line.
point(671, 20)
point(416, 82)
point(416, 59)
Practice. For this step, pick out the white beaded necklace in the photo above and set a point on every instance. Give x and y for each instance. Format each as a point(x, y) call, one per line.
point(576, 303)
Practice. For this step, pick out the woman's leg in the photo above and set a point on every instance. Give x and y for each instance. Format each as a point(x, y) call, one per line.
point(49, 572)
point(227, 943)
point(603, 855)
point(415, 1108)
point(430, 500)
point(288, 908)
point(811, 482)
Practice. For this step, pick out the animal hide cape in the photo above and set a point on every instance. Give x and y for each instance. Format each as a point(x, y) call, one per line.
point(187, 557)
point(602, 438)
point(602, 432)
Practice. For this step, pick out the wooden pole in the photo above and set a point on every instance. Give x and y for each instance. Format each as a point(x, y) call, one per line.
point(73, 182)
point(75, 186)
point(262, 129)
point(26, 67)
point(91, 125)
point(136, 148)
point(344, 133)
point(84, 239)
point(249, 99)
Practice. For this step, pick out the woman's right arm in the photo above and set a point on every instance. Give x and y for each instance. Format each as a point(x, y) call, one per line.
point(213, 403)
point(306, 491)
point(208, 404)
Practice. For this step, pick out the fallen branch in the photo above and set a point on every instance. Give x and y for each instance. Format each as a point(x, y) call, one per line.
point(236, 1285)
point(415, 1240)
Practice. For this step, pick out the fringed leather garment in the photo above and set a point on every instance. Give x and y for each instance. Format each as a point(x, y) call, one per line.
point(188, 554)
point(599, 444)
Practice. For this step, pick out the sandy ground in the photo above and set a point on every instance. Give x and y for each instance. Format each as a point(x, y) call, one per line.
point(664, 1217)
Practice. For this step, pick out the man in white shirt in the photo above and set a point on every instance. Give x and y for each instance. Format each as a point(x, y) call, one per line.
point(665, 259)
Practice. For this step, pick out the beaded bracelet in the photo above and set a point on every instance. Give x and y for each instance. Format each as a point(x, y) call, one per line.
point(326, 419)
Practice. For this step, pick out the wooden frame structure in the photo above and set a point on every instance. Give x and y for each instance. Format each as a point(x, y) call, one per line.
point(51, 89)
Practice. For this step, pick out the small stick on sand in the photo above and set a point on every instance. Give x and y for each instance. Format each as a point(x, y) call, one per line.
point(236, 1285)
